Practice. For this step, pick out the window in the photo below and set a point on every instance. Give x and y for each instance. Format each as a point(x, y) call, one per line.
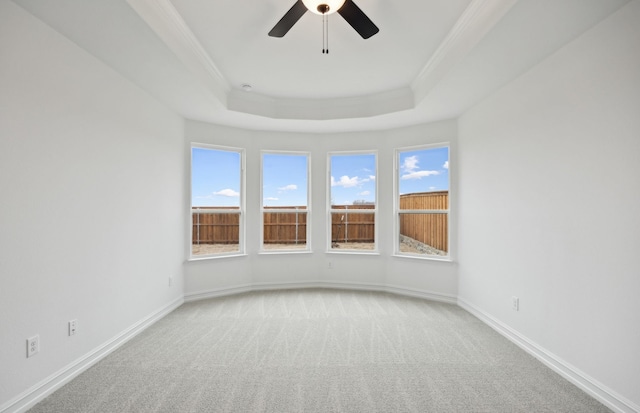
point(217, 217)
point(352, 194)
point(422, 201)
point(285, 201)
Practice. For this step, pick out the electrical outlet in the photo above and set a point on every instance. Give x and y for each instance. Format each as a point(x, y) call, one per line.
point(515, 303)
point(33, 346)
point(330, 265)
point(73, 327)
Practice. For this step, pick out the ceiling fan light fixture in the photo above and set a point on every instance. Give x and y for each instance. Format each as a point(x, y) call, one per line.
point(315, 6)
point(346, 8)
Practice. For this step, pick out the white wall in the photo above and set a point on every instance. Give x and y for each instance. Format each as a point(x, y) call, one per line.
point(94, 206)
point(91, 203)
point(423, 277)
point(549, 201)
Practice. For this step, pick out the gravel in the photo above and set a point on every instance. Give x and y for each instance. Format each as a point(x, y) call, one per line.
point(407, 245)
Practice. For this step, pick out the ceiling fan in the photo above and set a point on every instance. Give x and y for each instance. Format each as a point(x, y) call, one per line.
point(346, 8)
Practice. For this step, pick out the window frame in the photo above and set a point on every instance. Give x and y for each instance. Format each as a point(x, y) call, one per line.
point(307, 211)
point(397, 212)
point(240, 211)
point(331, 211)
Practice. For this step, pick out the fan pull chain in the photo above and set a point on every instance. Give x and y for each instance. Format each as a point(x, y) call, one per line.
point(325, 33)
point(324, 16)
point(325, 30)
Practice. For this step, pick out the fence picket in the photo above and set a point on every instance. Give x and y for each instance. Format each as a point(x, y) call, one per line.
point(280, 227)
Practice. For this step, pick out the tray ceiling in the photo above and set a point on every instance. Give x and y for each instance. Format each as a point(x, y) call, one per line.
point(431, 60)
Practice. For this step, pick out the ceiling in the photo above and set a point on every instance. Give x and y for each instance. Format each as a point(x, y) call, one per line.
point(431, 60)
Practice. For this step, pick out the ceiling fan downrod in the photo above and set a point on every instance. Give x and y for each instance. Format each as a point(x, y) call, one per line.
point(324, 9)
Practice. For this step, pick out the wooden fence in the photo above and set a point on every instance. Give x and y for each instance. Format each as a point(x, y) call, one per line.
point(428, 228)
point(351, 226)
point(285, 227)
point(425, 200)
point(282, 227)
point(215, 228)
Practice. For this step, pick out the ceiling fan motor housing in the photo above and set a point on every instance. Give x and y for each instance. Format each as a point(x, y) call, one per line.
point(323, 8)
point(346, 8)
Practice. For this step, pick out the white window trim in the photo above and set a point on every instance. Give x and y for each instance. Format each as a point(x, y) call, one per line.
point(242, 205)
point(308, 248)
point(397, 212)
point(330, 211)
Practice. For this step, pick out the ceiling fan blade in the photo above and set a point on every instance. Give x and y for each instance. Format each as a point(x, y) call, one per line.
point(288, 20)
point(358, 20)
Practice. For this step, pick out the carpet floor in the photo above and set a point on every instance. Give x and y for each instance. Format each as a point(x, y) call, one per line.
point(319, 350)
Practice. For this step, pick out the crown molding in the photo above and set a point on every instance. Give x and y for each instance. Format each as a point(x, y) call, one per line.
point(477, 19)
point(321, 109)
point(474, 23)
point(163, 18)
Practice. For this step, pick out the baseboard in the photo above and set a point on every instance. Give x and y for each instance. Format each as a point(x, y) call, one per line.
point(429, 295)
point(36, 393)
point(608, 397)
point(597, 390)
point(218, 292)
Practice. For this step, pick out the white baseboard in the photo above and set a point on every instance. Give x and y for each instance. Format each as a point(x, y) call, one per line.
point(36, 393)
point(608, 397)
point(218, 292)
point(597, 390)
point(433, 296)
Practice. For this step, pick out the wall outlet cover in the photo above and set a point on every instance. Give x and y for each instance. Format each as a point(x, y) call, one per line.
point(515, 303)
point(73, 327)
point(33, 346)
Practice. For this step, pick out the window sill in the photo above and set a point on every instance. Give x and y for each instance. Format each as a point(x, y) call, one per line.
point(426, 258)
point(279, 252)
point(353, 252)
point(215, 257)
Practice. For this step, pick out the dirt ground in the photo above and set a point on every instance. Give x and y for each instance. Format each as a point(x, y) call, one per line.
point(205, 249)
point(358, 246)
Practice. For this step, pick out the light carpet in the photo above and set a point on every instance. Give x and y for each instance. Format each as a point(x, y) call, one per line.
point(319, 350)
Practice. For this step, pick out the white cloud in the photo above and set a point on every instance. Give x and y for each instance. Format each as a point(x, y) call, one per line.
point(410, 164)
point(372, 177)
point(364, 193)
point(271, 198)
point(412, 171)
point(227, 192)
point(346, 182)
point(446, 165)
point(419, 174)
point(291, 187)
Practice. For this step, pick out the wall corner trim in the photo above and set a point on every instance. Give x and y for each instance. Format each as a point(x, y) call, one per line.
point(39, 391)
point(589, 385)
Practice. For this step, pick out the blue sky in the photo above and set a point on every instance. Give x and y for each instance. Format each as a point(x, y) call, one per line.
point(216, 176)
point(424, 170)
point(284, 180)
point(353, 178)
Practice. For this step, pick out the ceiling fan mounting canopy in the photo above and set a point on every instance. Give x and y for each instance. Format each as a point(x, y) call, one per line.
point(329, 6)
